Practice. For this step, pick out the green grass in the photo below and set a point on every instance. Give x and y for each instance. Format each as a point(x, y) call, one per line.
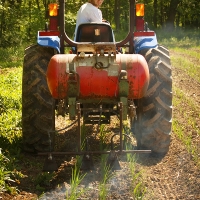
point(138, 188)
point(10, 103)
point(188, 60)
point(106, 176)
point(184, 49)
point(187, 129)
point(76, 179)
point(10, 125)
point(179, 38)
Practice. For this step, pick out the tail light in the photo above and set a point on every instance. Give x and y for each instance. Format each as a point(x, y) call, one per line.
point(140, 10)
point(53, 9)
point(140, 17)
point(53, 16)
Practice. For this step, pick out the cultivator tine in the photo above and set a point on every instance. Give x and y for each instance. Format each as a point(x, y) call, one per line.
point(87, 162)
point(50, 164)
point(112, 161)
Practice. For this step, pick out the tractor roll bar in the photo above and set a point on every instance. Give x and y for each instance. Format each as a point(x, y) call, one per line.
point(64, 37)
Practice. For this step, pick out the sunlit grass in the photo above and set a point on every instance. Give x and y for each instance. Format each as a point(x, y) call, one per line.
point(107, 175)
point(138, 188)
point(187, 140)
point(10, 125)
point(10, 103)
point(76, 179)
point(189, 62)
point(186, 128)
point(179, 38)
point(184, 47)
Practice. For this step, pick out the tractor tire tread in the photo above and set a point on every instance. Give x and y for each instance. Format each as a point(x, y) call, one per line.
point(38, 112)
point(155, 108)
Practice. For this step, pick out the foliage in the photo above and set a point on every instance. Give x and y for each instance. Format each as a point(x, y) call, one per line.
point(5, 174)
point(43, 180)
point(11, 56)
point(21, 20)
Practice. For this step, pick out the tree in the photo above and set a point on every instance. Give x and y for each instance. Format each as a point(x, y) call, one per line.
point(170, 22)
point(117, 14)
point(155, 18)
point(21, 19)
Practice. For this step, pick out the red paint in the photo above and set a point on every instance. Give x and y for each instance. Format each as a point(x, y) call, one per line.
point(144, 33)
point(139, 24)
point(97, 83)
point(53, 23)
point(56, 75)
point(49, 33)
point(138, 73)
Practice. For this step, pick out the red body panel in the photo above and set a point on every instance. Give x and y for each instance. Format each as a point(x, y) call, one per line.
point(138, 73)
point(57, 77)
point(98, 83)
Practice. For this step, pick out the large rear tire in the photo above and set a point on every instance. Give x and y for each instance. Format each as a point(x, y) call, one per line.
point(153, 127)
point(38, 108)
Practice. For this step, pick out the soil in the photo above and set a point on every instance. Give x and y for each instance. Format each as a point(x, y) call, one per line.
point(174, 176)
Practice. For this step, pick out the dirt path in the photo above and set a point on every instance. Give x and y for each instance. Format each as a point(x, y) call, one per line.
point(176, 176)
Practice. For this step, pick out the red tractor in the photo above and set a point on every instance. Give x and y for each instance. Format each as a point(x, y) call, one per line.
point(97, 81)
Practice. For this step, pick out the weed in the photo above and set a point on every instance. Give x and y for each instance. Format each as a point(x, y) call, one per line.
point(5, 174)
point(102, 137)
point(186, 140)
point(107, 175)
point(103, 190)
point(76, 179)
point(41, 181)
point(138, 188)
point(139, 191)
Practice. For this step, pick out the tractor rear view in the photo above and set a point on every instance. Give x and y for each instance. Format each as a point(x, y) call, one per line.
point(96, 82)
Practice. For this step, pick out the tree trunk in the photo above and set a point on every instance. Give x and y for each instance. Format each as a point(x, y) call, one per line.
point(155, 14)
point(162, 13)
point(171, 14)
point(117, 14)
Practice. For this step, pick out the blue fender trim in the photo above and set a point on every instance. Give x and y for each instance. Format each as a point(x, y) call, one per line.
point(49, 41)
point(145, 42)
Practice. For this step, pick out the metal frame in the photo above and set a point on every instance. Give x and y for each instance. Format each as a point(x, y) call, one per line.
point(80, 152)
point(128, 40)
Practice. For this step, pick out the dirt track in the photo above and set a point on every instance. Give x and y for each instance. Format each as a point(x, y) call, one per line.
point(176, 176)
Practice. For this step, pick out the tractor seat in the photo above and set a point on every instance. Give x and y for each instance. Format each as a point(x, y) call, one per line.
point(94, 32)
